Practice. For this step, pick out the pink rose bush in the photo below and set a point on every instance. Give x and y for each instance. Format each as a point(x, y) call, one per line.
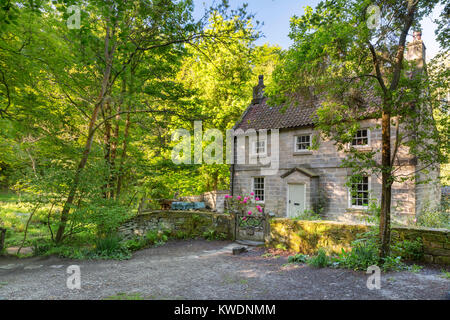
point(244, 204)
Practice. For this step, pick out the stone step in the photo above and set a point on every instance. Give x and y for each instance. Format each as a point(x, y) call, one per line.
point(250, 243)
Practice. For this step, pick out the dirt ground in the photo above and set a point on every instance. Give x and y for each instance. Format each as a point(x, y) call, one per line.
point(202, 270)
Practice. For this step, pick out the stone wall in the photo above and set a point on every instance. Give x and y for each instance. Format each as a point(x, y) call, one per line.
point(308, 236)
point(189, 223)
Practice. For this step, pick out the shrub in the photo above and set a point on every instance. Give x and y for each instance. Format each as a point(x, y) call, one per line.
point(438, 218)
point(393, 263)
point(108, 245)
point(409, 250)
point(362, 255)
point(157, 237)
point(321, 260)
point(298, 258)
point(135, 244)
point(308, 215)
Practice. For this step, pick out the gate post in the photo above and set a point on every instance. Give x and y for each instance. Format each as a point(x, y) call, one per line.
point(266, 228)
point(233, 225)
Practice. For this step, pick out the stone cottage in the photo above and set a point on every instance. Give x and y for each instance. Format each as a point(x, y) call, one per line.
point(314, 179)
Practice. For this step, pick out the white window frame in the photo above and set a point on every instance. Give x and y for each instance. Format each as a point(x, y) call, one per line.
point(361, 145)
point(254, 151)
point(264, 189)
point(350, 202)
point(295, 142)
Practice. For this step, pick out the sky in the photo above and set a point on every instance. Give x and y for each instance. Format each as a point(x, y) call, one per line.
point(276, 15)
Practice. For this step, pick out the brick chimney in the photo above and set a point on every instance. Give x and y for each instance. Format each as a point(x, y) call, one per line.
point(415, 51)
point(258, 91)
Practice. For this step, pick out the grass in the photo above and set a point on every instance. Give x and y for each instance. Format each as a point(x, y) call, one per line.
point(445, 274)
point(14, 216)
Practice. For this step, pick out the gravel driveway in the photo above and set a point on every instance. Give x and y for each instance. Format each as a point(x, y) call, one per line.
point(207, 270)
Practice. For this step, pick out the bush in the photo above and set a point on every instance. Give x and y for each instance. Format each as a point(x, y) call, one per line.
point(157, 237)
point(308, 215)
point(108, 245)
point(409, 250)
point(135, 244)
point(298, 258)
point(362, 255)
point(438, 218)
point(321, 260)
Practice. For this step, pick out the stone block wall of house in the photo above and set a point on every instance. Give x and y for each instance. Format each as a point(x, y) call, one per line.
point(332, 178)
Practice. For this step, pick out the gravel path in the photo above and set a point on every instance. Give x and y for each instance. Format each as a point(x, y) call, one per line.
point(207, 270)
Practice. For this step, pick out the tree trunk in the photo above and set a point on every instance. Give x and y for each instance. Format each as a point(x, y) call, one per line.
point(386, 192)
point(107, 141)
point(123, 156)
point(90, 138)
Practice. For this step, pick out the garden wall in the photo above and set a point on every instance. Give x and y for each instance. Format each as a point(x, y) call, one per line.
point(189, 223)
point(308, 236)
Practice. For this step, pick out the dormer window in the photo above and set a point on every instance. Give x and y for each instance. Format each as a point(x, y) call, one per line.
point(361, 139)
point(302, 143)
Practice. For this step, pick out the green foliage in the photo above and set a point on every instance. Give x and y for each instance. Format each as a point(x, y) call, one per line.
point(435, 218)
point(308, 215)
point(445, 274)
point(415, 268)
point(321, 260)
point(298, 258)
point(360, 257)
point(212, 234)
point(409, 250)
point(157, 237)
point(136, 243)
point(280, 246)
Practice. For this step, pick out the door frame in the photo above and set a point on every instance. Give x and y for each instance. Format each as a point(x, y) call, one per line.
point(287, 196)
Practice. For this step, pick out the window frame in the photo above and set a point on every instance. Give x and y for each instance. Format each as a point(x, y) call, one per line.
point(296, 143)
point(263, 189)
point(254, 151)
point(356, 137)
point(350, 197)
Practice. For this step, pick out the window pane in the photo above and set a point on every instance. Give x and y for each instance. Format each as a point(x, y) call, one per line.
point(258, 188)
point(360, 192)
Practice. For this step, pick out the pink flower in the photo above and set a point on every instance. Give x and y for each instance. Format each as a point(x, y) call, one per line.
point(259, 208)
point(245, 201)
point(239, 197)
point(249, 213)
point(227, 196)
point(252, 194)
point(257, 199)
point(244, 218)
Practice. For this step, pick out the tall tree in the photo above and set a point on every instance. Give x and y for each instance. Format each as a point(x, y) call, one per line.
point(341, 59)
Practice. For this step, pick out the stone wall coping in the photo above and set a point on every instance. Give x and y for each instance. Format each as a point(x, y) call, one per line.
point(431, 230)
point(322, 221)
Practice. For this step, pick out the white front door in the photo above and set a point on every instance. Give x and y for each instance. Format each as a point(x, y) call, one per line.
point(296, 200)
